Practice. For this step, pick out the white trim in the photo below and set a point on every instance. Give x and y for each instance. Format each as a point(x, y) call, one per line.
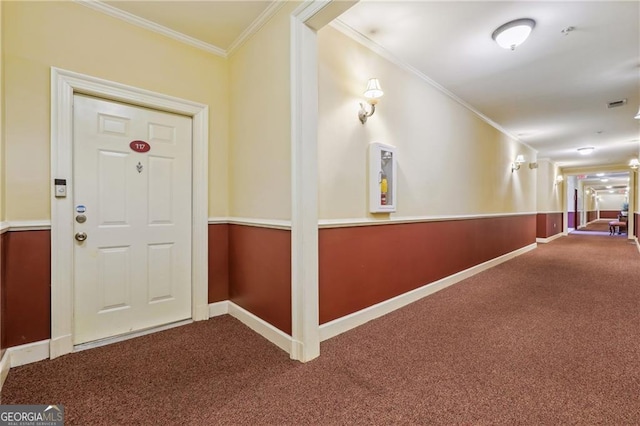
point(128, 336)
point(63, 86)
point(29, 225)
point(248, 221)
point(218, 308)
point(344, 223)
point(549, 239)
point(5, 366)
point(219, 220)
point(348, 322)
point(260, 326)
point(255, 26)
point(373, 46)
point(4, 227)
point(31, 352)
point(305, 315)
point(151, 26)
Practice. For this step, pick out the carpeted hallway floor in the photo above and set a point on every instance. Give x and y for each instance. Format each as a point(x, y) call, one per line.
point(551, 337)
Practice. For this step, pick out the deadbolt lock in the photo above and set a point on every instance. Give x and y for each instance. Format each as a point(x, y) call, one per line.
point(81, 218)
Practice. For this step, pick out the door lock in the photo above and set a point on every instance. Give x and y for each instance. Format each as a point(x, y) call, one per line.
point(81, 236)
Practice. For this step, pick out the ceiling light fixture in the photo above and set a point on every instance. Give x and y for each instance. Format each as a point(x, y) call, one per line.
point(586, 150)
point(634, 163)
point(514, 33)
point(373, 94)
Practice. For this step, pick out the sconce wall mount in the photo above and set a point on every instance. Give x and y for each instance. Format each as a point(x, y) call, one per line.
point(517, 163)
point(373, 95)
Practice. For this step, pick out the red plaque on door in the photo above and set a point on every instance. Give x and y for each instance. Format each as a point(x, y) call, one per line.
point(139, 146)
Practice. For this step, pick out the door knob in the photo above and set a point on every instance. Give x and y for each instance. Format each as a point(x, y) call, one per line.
point(81, 236)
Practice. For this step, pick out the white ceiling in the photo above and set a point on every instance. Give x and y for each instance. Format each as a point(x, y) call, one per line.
point(551, 92)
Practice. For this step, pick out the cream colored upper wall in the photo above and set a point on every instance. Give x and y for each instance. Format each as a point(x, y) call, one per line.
point(260, 129)
point(611, 201)
point(2, 168)
point(549, 194)
point(39, 35)
point(450, 162)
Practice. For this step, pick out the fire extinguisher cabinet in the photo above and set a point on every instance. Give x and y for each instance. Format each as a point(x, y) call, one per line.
point(382, 178)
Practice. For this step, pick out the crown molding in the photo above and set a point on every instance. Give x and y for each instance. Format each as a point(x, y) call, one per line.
point(375, 47)
point(255, 26)
point(152, 26)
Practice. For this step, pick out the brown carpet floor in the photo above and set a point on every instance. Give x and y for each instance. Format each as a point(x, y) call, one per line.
point(600, 226)
point(551, 337)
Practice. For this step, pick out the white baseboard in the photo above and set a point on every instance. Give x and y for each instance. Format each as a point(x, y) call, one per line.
point(61, 345)
point(31, 352)
point(549, 239)
point(5, 365)
point(348, 322)
point(218, 308)
point(260, 326)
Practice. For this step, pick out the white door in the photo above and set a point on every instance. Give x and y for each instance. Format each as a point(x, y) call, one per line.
point(133, 270)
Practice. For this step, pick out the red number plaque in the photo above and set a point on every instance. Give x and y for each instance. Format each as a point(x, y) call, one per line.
point(139, 146)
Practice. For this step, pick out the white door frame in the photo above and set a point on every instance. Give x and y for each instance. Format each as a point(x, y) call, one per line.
point(63, 85)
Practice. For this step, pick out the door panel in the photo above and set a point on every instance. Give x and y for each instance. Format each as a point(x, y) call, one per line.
point(134, 269)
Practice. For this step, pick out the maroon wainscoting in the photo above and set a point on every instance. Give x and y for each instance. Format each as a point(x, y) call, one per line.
point(362, 266)
point(260, 273)
point(571, 217)
point(218, 262)
point(26, 287)
point(3, 238)
point(609, 214)
point(592, 215)
point(548, 224)
point(636, 223)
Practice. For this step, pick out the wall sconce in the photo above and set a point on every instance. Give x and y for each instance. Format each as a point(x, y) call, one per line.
point(517, 163)
point(637, 117)
point(373, 94)
point(634, 163)
point(559, 179)
point(533, 165)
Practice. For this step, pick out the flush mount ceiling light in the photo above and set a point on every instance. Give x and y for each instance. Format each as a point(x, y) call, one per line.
point(514, 33)
point(634, 163)
point(586, 150)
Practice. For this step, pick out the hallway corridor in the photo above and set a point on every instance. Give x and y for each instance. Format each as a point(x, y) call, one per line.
point(550, 337)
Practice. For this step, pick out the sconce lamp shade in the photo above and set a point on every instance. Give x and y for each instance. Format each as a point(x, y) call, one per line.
point(514, 33)
point(637, 117)
point(517, 163)
point(634, 163)
point(373, 92)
